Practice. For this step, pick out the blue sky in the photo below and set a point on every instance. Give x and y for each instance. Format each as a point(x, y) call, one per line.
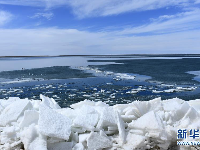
point(58, 27)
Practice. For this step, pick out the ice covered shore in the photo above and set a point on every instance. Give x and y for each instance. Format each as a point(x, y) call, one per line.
point(43, 125)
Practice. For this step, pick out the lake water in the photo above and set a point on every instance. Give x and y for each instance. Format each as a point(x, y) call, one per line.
point(112, 79)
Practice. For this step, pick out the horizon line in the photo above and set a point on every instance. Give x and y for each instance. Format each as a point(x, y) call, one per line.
point(101, 55)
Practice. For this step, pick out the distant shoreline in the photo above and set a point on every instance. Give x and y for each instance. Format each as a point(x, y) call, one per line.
point(147, 55)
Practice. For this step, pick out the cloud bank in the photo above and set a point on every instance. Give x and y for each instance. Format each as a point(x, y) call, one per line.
point(71, 41)
point(168, 24)
point(176, 33)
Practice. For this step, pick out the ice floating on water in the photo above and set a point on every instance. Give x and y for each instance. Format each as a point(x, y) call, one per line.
point(43, 125)
point(21, 80)
point(116, 76)
point(177, 89)
point(125, 76)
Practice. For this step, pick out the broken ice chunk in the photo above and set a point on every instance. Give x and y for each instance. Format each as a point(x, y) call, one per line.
point(190, 116)
point(53, 124)
point(107, 118)
point(156, 104)
point(87, 121)
point(131, 111)
point(71, 113)
point(83, 137)
point(101, 104)
point(28, 135)
point(78, 129)
point(60, 146)
point(38, 144)
point(50, 102)
point(85, 109)
point(78, 146)
point(54, 140)
point(134, 141)
point(195, 104)
point(80, 104)
point(138, 108)
point(149, 121)
point(13, 111)
point(8, 135)
point(96, 141)
point(172, 104)
point(142, 107)
point(36, 104)
point(30, 117)
point(102, 133)
point(73, 137)
point(1, 108)
point(11, 100)
point(128, 118)
point(180, 111)
point(121, 128)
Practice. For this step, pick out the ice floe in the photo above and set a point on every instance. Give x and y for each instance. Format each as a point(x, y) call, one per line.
point(88, 125)
point(177, 89)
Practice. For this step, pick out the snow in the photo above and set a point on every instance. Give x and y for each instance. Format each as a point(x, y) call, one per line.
point(89, 125)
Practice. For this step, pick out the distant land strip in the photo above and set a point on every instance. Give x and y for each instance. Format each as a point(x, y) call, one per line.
point(115, 55)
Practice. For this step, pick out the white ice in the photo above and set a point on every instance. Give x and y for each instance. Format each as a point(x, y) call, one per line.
point(89, 125)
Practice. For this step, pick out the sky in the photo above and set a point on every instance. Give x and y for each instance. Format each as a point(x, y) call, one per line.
point(89, 27)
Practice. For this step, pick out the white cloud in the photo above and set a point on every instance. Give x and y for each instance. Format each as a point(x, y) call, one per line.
point(167, 24)
point(47, 15)
point(197, 1)
point(178, 33)
point(72, 41)
point(37, 3)
point(88, 8)
point(5, 17)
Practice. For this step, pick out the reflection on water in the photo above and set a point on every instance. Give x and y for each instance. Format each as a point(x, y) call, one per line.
point(9, 64)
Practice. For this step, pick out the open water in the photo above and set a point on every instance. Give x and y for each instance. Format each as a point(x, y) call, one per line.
point(112, 79)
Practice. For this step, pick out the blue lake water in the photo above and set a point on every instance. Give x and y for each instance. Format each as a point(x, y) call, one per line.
point(113, 79)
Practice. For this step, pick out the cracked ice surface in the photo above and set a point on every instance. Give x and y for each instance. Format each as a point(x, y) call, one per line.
point(88, 125)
